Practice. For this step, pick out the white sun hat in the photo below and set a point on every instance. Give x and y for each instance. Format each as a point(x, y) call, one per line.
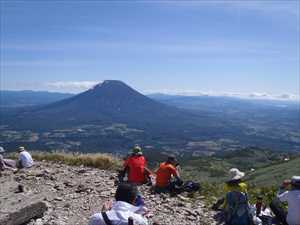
point(21, 148)
point(235, 174)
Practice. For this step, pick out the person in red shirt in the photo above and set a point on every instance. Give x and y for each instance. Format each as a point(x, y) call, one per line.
point(164, 174)
point(136, 167)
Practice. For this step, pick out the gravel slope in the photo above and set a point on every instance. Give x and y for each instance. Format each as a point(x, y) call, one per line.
point(73, 194)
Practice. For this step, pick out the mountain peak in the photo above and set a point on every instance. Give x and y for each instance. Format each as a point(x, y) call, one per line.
point(110, 84)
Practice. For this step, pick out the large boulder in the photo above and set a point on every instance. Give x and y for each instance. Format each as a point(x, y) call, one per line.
point(23, 213)
point(18, 208)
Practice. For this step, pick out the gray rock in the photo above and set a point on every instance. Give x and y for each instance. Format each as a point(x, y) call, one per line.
point(24, 212)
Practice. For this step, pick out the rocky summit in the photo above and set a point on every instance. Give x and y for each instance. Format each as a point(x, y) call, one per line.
point(56, 194)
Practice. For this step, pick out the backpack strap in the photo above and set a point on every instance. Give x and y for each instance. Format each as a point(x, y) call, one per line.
point(130, 221)
point(106, 219)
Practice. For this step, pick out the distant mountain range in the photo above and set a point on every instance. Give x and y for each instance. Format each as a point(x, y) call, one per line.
point(112, 115)
point(206, 102)
point(25, 98)
point(29, 98)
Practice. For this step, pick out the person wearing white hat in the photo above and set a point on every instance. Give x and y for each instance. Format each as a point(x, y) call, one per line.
point(25, 159)
point(235, 181)
point(292, 197)
point(236, 205)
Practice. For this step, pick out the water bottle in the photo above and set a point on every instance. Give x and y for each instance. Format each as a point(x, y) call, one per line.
point(139, 201)
point(259, 201)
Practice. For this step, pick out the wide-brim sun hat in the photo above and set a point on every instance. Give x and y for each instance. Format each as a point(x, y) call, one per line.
point(235, 174)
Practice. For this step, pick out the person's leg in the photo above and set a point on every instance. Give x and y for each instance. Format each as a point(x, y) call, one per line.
point(178, 186)
point(173, 189)
point(218, 204)
point(121, 175)
point(10, 163)
point(2, 165)
point(279, 212)
point(147, 177)
point(160, 190)
point(19, 164)
point(157, 190)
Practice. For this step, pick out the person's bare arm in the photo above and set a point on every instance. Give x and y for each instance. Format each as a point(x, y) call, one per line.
point(148, 171)
point(107, 206)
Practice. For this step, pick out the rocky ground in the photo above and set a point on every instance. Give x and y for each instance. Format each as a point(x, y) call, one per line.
point(73, 194)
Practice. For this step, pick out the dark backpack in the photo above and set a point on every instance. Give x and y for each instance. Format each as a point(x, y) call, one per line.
point(190, 186)
point(237, 211)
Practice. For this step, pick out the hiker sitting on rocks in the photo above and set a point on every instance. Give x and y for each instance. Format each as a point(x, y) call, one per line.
point(123, 209)
point(6, 164)
point(25, 160)
point(166, 171)
point(135, 167)
point(292, 197)
point(236, 206)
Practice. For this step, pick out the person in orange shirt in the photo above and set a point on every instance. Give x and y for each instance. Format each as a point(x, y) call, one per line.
point(164, 175)
point(136, 167)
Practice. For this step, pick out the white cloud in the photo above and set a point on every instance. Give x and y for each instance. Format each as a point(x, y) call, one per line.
point(254, 95)
point(284, 96)
point(258, 95)
point(288, 96)
point(72, 86)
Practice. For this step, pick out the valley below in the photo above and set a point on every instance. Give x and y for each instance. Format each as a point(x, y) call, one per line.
point(209, 135)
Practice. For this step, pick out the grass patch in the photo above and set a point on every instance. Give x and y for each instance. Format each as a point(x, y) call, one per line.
point(96, 160)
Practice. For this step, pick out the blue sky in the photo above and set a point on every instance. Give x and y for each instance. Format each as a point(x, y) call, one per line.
point(212, 47)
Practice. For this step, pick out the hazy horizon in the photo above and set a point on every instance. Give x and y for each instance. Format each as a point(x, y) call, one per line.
point(258, 96)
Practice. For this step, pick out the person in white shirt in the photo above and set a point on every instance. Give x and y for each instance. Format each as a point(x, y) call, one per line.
point(292, 197)
point(122, 209)
point(25, 160)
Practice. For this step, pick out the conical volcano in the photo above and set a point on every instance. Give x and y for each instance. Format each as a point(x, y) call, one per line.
point(108, 102)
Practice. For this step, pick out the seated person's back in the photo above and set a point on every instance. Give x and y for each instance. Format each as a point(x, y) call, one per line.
point(25, 159)
point(164, 173)
point(135, 166)
point(122, 209)
point(292, 197)
point(236, 206)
